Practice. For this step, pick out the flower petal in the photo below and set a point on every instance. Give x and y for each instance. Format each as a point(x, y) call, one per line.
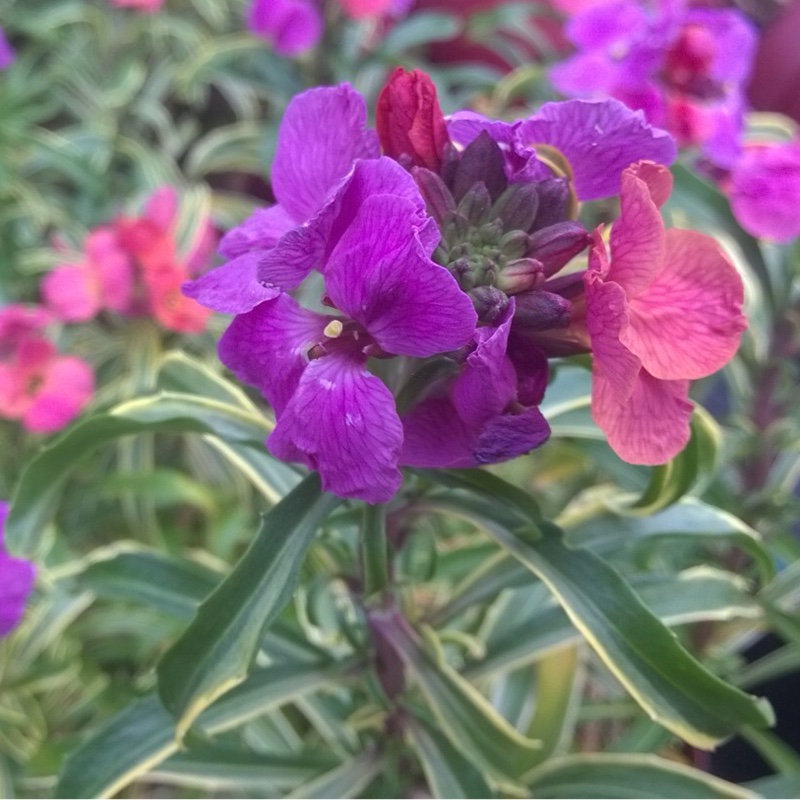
point(343, 421)
point(291, 25)
point(434, 435)
point(260, 231)
point(71, 292)
point(688, 322)
point(18, 577)
point(68, 386)
point(508, 436)
point(322, 133)
point(233, 288)
point(599, 139)
point(379, 276)
point(268, 347)
point(651, 425)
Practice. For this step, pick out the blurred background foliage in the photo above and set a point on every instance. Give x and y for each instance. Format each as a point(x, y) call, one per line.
point(102, 106)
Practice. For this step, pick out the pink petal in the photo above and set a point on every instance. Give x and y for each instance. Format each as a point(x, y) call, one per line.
point(169, 306)
point(68, 386)
point(651, 425)
point(637, 237)
point(343, 421)
point(688, 322)
point(363, 9)
point(161, 207)
point(72, 293)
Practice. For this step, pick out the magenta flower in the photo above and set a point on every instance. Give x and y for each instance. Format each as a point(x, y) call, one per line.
point(685, 67)
point(16, 582)
point(666, 309)
point(765, 190)
point(38, 387)
point(146, 6)
point(476, 416)
point(292, 26)
point(7, 54)
point(332, 414)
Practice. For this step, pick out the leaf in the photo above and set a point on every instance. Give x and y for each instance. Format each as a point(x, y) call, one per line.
point(347, 780)
point(611, 776)
point(465, 716)
point(216, 651)
point(448, 772)
point(143, 734)
point(675, 689)
point(418, 29)
point(38, 491)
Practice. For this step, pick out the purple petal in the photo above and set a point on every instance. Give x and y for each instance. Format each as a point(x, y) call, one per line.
point(604, 25)
point(322, 133)
point(307, 248)
point(7, 54)
point(291, 25)
point(260, 231)
point(233, 288)
point(586, 75)
point(599, 139)
point(511, 435)
point(765, 191)
point(342, 421)
point(17, 581)
point(435, 436)
point(735, 40)
point(268, 347)
point(379, 275)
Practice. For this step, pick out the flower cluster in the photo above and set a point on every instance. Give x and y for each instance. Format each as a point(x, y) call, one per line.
point(684, 66)
point(131, 267)
point(294, 26)
point(41, 388)
point(17, 581)
point(399, 303)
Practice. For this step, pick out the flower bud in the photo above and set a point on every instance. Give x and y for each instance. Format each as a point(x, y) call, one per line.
point(520, 276)
point(554, 199)
point(476, 204)
point(518, 206)
point(435, 193)
point(481, 161)
point(555, 245)
point(409, 120)
point(540, 311)
point(490, 303)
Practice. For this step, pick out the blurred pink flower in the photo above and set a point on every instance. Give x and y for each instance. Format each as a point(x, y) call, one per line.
point(764, 190)
point(19, 323)
point(292, 26)
point(664, 310)
point(131, 266)
point(7, 54)
point(147, 6)
point(39, 387)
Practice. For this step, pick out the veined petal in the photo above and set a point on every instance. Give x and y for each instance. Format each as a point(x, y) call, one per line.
point(233, 288)
point(344, 422)
point(599, 139)
point(379, 276)
point(687, 323)
point(637, 237)
point(260, 231)
point(268, 347)
point(322, 133)
point(649, 426)
point(434, 435)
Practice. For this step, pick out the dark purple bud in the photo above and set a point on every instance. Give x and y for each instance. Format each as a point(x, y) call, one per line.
point(520, 276)
point(481, 161)
point(540, 311)
point(490, 303)
point(435, 193)
point(569, 286)
point(476, 204)
point(554, 200)
point(518, 206)
point(557, 244)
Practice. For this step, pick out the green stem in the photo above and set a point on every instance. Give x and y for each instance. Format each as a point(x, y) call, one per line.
point(374, 550)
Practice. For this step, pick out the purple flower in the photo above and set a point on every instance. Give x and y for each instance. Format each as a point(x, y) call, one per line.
point(16, 581)
point(7, 54)
point(293, 26)
point(684, 67)
point(476, 417)
point(765, 191)
point(332, 414)
point(599, 139)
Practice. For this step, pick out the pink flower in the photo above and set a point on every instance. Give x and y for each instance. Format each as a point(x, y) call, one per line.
point(19, 323)
point(146, 6)
point(42, 389)
point(666, 309)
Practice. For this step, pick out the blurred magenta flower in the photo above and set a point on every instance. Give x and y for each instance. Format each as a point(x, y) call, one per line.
point(16, 582)
point(7, 54)
point(39, 387)
point(764, 190)
point(663, 310)
point(147, 6)
point(685, 67)
point(131, 267)
point(292, 26)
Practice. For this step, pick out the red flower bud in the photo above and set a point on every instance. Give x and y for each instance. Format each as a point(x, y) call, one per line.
point(409, 120)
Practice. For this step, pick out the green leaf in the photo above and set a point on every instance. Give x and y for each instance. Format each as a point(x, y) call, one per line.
point(347, 780)
point(161, 487)
point(39, 489)
point(776, 786)
point(611, 776)
point(419, 29)
point(448, 772)
point(462, 712)
point(216, 651)
point(640, 651)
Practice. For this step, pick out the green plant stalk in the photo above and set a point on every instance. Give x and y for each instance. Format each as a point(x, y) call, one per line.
point(374, 551)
